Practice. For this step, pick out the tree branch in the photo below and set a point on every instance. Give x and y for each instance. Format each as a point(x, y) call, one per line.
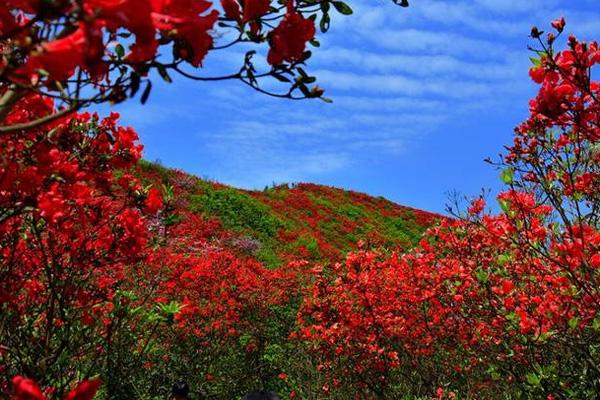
point(40, 121)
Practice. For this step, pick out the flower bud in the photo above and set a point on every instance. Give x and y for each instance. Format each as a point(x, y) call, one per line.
point(317, 91)
point(559, 24)
point(572, 41)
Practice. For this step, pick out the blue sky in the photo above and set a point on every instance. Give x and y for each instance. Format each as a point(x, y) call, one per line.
point(421, 96)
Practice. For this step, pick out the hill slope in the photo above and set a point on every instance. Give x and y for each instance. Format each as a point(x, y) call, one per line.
point(289, 222)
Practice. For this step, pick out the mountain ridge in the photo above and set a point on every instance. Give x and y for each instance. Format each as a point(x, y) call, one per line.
point(288, 222)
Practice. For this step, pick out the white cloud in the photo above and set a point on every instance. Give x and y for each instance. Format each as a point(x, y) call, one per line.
point(515, 6)
point(387, 104)
point(422, 41)
point(402, 85)
point(419, 65)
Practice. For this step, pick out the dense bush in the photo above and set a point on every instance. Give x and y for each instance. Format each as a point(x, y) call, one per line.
point(70, 233)
point(490, 306)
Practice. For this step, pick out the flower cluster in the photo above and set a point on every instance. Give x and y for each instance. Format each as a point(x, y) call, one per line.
point(70, 224)
point(26, 389)
point(487, 302)
point(109, 47)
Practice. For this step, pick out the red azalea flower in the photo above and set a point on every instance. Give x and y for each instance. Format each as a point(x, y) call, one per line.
point(253, 9)
point(185, 20)
point(289, 38)
point(595, 261)
point(153, 201)
point(60, 58)
point(232, 9)
point(559, 24)
point(7, 20)
point(507, 286)
point(537, 74)
point(85, 390)
point(26, 389)
point(133, 15)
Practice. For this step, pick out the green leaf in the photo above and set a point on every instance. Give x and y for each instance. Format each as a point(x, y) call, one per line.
point(325, 21)
point(146, 93)
point(512, 316)
point(535, 61)
point(172, 219)
point(304, 90)
point(135, 83)
point(504, 205)
point(503, 259)
point(573, 322)
point(280, 77)
point(482, 275)
point(162, 71)
point(153, 317)
point(533, 379)
point(596, 323)
point(244, 340)
point(120, 51)
point(302, 72)
point(546, 335)
point(171, 308)
point(342, 8)
point(507, 175)
point(127, 294)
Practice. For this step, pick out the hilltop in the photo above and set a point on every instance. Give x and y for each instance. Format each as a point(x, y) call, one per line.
point(291, 221)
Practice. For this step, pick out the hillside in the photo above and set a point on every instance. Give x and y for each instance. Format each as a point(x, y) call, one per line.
point(287, 222)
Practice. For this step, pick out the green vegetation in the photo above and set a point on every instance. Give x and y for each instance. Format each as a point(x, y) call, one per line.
point(237, 210)
point(294, 221)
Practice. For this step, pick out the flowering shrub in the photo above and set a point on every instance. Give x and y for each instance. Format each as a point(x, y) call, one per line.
point(79, 234)
point(229, 314)
point(26, 389)
point(69, 227)
point(108, 49)
point(487, 303)
point(247, 245)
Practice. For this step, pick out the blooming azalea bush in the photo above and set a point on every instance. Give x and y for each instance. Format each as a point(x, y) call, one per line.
point(220, 320)
point(80, 235)
point(108, 50)
point(488, 304)
point(70, 227)
point(26, 389)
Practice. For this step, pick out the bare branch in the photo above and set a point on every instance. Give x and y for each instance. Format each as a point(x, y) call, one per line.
point(40, 121)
